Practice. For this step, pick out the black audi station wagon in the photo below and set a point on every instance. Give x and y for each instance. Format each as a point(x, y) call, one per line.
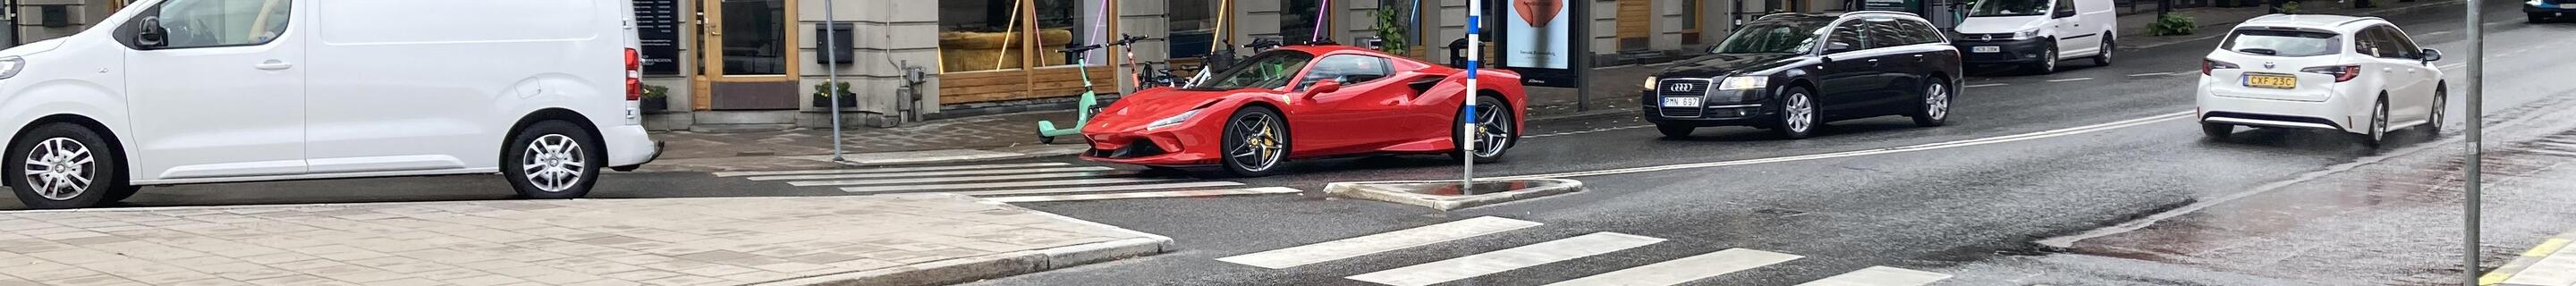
point(1791, 72)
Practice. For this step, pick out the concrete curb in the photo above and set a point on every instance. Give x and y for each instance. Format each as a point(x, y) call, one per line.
point(2528, 258)
point(948, 155)
point(969, 269)
point(960, 270)
point(1397, 192)
point(2228, 23)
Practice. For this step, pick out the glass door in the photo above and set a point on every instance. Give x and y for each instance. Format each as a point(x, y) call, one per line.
point(748, 56)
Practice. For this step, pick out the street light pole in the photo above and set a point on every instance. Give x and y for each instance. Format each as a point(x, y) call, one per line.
point(2477, 135)
point(832, 75)
point(1467, 124)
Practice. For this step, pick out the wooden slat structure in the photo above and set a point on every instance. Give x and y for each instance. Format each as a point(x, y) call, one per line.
point(1018, 84)
point(1635, 23)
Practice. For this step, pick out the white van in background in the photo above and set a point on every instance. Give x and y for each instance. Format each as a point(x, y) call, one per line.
point(2037, 33)
point(205, 91)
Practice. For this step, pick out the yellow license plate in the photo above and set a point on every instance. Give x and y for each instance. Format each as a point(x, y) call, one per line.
point(2271, 81)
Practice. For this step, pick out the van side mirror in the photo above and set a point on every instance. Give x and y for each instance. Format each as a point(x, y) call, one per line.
point(152, 34)
point(2431, 55)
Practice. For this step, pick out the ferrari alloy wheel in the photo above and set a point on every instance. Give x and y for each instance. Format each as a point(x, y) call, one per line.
point(1797, 114)
point(1493, 130)
point(1256, 140)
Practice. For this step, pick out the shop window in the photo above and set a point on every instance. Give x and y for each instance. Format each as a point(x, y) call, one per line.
point(1297, 20)
point(980, 35)
point(1065, 17)
point(1194, 26)
point(755, 37)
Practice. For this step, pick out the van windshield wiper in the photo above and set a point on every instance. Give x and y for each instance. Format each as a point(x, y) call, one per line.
point(2260, 51)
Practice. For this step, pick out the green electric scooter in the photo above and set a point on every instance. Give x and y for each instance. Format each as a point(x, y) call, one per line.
point(1089, 103)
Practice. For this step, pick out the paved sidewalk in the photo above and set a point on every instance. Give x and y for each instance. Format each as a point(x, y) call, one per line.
point(922, 239)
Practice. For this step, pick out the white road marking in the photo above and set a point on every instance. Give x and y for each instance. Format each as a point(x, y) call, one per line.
point(884, 170)
point(1587, 131)
point(1381, 242)
point(2070, 79)
point(2437, 33)
point(1166, 194)
point(2152, 74)
point(1504, 260)
point(945, 179)
point(1900, 149)
point(1204, 184)
point(1880, 276)
point(998, 185)
point(1986, 85)
point(930, 174)
point(1686, 269)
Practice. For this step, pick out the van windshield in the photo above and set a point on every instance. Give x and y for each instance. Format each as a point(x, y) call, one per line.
point(2282, 43)
point(2008, 8)
point(1771, 37)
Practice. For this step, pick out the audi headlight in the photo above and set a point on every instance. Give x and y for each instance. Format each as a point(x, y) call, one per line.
point(1174, 120)
point(1743, 83)
point(1650, 82)
point(10, 65)
point(2026, 34)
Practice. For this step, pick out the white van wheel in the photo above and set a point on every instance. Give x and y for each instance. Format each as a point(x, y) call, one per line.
point(553, 159)
point(62, 166)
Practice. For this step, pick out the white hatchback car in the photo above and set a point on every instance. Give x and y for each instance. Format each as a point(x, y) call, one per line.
point(170, 92)
point(2354, 74)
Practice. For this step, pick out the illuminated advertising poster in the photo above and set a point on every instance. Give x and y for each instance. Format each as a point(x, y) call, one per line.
point(1539, 33)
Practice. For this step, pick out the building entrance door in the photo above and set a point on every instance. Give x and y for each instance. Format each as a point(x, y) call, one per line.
point(748, 55)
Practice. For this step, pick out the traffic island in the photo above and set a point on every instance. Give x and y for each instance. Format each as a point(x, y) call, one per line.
point(1451, 195)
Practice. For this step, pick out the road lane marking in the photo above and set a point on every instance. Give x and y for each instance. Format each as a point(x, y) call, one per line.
point(1165, 194)
point(2437, 33)
point(946, 179)
point(1880, 276)
point(1588, 131)
point(931, 174)
point(2070, 79)
point(1987, 85)
point(1204, 184)
point(2152, 74)
point(1505, 260)
point(999, 185)
point(1381, 242)
point(1686, 269)
point(884, 170)
point(1900, 149)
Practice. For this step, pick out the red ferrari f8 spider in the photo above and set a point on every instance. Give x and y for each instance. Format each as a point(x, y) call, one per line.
point(1300, 102)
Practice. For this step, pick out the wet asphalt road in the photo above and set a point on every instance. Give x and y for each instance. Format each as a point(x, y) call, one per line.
point(1956, 210)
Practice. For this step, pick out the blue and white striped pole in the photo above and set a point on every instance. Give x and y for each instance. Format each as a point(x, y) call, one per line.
point(1467, 124)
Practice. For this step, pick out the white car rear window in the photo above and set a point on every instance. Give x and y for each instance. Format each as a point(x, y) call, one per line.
point(2282, 43)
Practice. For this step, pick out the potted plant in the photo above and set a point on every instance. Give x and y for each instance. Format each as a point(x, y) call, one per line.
point(823, 97)
point(656, 98)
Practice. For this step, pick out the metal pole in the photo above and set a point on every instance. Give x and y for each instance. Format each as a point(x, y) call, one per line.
point(832, 75)
point(2477, 134)
point(1467, 124)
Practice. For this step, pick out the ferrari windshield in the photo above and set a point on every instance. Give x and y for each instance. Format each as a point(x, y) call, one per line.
point(1273, 69)
point(1771, 37)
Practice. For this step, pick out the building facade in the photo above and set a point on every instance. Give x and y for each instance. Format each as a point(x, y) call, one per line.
point(758, 64)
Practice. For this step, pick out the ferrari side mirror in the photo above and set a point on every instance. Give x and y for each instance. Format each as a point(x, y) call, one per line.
point(1324, 86)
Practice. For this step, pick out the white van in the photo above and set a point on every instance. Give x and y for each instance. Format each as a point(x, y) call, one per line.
point(2037, 33)
point(170, 92)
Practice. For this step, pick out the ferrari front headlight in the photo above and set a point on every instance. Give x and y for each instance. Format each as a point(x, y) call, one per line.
point(1174, 120)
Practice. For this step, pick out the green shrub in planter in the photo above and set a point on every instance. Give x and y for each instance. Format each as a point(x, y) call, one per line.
point(656, 98)
point(2172, 24)
point(823, 97)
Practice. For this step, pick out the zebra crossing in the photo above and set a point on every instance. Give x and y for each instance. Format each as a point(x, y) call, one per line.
point(1011, 182)
point(1669, 272)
